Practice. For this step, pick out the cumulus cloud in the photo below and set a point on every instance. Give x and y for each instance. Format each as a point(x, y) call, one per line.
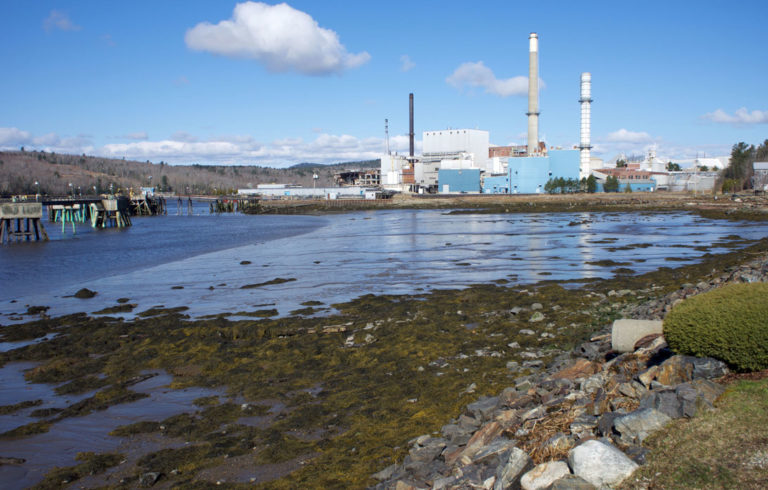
point(405, 63)
point(625, 136)
point(59, 20)
point(478, 75)
point(740, 117)
point(279, 36)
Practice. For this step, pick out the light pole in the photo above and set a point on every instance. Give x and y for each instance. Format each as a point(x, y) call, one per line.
point(37, 196)
point(71, 190)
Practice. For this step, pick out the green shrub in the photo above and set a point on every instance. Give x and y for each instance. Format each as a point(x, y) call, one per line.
point(729, 323)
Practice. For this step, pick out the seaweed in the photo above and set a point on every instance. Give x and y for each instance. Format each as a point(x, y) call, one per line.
point(278, 280)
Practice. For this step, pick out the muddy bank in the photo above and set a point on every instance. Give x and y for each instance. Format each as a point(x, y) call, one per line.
point(341, 396)
point(707, 205)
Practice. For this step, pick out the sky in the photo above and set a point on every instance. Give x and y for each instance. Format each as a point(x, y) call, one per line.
point(222, 82)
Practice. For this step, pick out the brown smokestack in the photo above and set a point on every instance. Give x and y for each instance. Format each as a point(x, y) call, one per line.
point(410, 134)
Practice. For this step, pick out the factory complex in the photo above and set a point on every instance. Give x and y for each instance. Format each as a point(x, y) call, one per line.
point(463, 161)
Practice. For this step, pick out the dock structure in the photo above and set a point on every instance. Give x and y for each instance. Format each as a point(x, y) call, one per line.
point(14, 214)
point(114, 212)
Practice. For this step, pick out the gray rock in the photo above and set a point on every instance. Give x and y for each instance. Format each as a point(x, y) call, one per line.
point(625, 333)
point(386, 473)
point(544, 475)
point(537, 306)
point(571, 482)
point(600, 464)
point(584, 423)
point(636, 426)
point(605, 423)
point(483, 408)
point(468, 423)
point(508, 474)
point(637, 453)
point(495, 449)
point(527, 331)
point(708, 368)
point(593, 383)
point(149, 479)
point(664, 401)
point(536, 317)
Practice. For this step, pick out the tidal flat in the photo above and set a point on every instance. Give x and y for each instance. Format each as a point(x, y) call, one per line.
point(295, 401)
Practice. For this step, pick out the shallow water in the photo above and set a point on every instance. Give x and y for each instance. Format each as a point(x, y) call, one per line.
point(60, 445)
point(341, 257)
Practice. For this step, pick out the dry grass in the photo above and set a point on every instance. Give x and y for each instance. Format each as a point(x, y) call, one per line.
point(723, 448)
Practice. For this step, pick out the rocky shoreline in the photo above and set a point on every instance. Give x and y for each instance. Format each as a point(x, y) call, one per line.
point(580, 421)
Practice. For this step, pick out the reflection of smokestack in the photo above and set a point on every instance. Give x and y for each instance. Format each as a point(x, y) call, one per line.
point(410, 133)
point(586, 103)
point(533, 94)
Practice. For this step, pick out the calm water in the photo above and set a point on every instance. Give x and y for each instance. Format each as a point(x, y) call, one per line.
point(195, 261)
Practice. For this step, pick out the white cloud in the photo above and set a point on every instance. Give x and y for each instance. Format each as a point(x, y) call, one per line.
point(478, 75)
point(624, 136)
point(279, 36)
point(59, 20)
point(185, 148)
point(741, 116)
point(405, 63)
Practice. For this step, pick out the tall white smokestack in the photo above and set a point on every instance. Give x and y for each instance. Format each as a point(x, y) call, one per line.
point(533, 94)
point(586, 108)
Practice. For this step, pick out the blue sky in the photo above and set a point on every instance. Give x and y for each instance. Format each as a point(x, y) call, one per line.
point(276, 84)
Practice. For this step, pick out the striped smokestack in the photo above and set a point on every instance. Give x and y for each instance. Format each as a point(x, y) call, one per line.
point(533, 94)
point(410, 133)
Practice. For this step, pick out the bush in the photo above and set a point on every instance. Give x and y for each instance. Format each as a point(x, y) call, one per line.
point(730, 324)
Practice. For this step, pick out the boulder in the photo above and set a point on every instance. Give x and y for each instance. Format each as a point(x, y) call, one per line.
point(636, 426)
point(507, 474)
point(536, 317)
point(600, 464)
point(544, 475)
point(625, 333)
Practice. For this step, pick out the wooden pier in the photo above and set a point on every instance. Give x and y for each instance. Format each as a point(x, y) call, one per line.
point(13, 214)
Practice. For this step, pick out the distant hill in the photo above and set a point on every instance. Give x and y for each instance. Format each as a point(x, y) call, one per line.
point(341, 166)
point(53, 172)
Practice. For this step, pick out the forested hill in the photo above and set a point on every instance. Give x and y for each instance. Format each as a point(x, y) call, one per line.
point(19, 170)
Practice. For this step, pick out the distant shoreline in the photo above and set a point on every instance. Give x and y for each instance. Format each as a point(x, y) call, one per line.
point(747, 207)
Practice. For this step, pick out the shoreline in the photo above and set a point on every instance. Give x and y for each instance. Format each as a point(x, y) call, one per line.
point(423, 344)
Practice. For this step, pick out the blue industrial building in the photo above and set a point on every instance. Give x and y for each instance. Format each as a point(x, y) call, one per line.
point(455, 181)
point(529, 175)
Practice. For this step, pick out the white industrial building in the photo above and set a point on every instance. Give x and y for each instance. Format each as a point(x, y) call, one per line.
point(395, 173)
point(454, 149)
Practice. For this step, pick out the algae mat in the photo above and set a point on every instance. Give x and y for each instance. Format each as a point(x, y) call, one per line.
point(307, 402)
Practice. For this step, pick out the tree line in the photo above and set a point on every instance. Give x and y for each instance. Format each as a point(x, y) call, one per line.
point(50, 173)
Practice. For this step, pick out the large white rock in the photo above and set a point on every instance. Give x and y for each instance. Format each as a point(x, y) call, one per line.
point(625, 333)
point(544, 475)
point(600, 464)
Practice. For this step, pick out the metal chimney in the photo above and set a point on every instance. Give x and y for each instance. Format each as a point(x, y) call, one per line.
point(410, 133)
point(533, 94)
point(586, 107)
